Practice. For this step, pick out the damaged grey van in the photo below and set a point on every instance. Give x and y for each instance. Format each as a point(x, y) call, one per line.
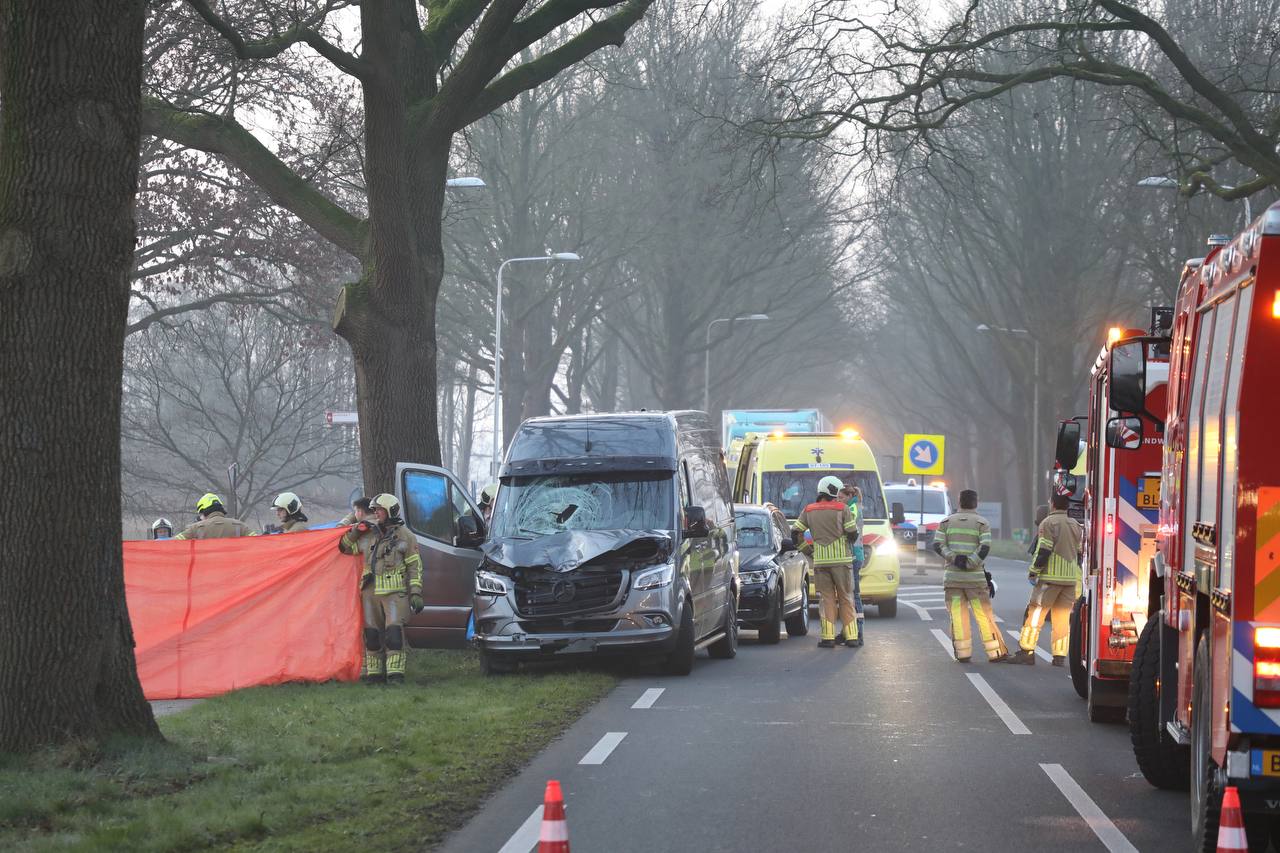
point(610, 534)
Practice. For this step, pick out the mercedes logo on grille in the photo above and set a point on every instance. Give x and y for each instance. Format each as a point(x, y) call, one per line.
point(563, 591)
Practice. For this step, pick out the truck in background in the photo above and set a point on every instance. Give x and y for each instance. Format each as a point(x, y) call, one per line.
point(737, 424)
point(1204, 694)
point(1123, 449)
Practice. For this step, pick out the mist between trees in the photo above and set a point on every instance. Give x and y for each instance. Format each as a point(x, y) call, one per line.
point(726, 162)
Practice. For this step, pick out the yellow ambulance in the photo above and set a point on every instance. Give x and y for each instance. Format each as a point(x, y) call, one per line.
point(784, 469)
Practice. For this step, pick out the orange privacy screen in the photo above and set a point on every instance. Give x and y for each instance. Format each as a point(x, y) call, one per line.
point(219, 614)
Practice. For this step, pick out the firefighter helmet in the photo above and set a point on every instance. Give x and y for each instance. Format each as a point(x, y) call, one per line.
point(289, 502)
point(161, 524)
point(388, 503)
point(488, 493)
point(209, 503)
point(830, 486)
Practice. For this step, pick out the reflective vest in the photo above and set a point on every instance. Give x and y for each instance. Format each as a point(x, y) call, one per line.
point(831, 524)
point(1062, 538)
point(963, 533)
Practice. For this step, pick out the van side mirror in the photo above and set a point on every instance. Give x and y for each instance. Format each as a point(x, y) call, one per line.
point(1067, 450)
point(1124, 433)
point(695, 521)
point(470, 532)
point(1129, 376)
point(897, 514)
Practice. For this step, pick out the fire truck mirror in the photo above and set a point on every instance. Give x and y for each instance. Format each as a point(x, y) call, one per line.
point(1067, 451)
point(1129, 377)
point(1124, 433)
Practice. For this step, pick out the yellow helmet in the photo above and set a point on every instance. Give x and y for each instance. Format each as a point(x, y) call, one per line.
point(289, 502)
point(387, 502)
point(208, 503)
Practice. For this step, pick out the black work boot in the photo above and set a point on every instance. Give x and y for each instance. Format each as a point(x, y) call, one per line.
point(396, 678)
point(373, 679)
point(840, 640)
point(826, 644)
point(1003, 657)
point(1024, 657)
point(1059, 660)
point(963, 660)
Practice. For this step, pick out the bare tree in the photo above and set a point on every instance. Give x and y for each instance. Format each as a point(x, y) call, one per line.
point(70, 86)
point(423, 72)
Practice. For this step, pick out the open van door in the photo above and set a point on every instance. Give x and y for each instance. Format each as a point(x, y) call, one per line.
point(449, 528)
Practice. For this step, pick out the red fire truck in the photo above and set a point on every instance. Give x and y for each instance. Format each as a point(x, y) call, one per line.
point(1204, 701)
point(1122, 503)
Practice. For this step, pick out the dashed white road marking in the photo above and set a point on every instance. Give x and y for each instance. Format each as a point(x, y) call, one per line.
point(1040, 653)
point(648, 697)
point(1107, 833)
point(526, 837)
point(1002, 709)
point(943, 639)
point(603, 747)
point(920, 611)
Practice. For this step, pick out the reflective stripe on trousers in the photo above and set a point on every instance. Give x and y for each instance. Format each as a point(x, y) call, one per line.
point(980, 602)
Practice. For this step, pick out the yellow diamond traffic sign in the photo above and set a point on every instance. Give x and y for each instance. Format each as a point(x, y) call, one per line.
point(923, 454)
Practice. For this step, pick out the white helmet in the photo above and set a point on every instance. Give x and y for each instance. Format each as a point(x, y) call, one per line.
point(488, 493)
point(387, 502)
point(159, 523)
point(289, 502)
point(830, 486)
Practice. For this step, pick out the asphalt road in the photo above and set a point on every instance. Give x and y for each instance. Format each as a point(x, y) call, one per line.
point(893, 746)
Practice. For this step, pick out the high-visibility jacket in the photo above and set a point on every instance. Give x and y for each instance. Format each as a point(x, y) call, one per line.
point(391, 559)
point(832, 525)
point(1063, 538)
point(963, 533)
point(216, 525)
point(856, 511)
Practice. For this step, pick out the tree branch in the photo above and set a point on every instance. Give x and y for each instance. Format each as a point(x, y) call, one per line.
point(302, 32)
point(226, 137)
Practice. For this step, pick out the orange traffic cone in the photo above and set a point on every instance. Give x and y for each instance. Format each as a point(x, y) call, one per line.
point(555, 832)
point(1231, 837)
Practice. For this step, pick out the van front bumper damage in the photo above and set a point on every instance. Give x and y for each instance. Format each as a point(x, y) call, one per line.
point(577, 594)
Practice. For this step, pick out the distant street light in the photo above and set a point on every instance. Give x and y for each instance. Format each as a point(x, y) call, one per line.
point(497, 347)
point(706, 368)
point(465, 183)
point(1166, 183)
point(1035, 399)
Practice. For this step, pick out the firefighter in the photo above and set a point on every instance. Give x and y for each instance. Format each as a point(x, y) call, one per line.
point(359, 512)
point(390, 587)
point(963, 541)
point(834, 531)
point(288, 508)
point(852, 497)
point(214, 522)
point(1057, 576)
point(487, 494)
point(161, 529)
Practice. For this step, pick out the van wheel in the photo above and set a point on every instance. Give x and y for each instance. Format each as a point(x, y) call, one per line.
point(680, 661)
point(772, 632)
point(726, 647)
point(888, 609)
point(1206, 794)
point(491, 664)
point(1163, 763)
point(1075, 652)
point(798, 622)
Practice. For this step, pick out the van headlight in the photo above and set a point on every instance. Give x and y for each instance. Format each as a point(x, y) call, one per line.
point(655, 578)
point(887, 548)
point(487, 583)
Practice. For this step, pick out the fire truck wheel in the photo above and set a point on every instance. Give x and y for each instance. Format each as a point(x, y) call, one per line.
point(1163, 762)
point(1206, 793)
point(1075, 650)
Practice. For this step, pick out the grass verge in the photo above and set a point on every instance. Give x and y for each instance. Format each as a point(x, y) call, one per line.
point(300, 767)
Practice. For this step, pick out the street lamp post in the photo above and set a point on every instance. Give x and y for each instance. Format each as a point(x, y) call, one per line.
point(1167, 183)
point(497, 348)
point(706, 366)
point(1035, 400)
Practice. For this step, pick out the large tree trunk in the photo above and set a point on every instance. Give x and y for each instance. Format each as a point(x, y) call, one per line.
point(70, 82)
point(389, 317)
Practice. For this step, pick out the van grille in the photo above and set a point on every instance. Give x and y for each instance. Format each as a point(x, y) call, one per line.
point(546, 593)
